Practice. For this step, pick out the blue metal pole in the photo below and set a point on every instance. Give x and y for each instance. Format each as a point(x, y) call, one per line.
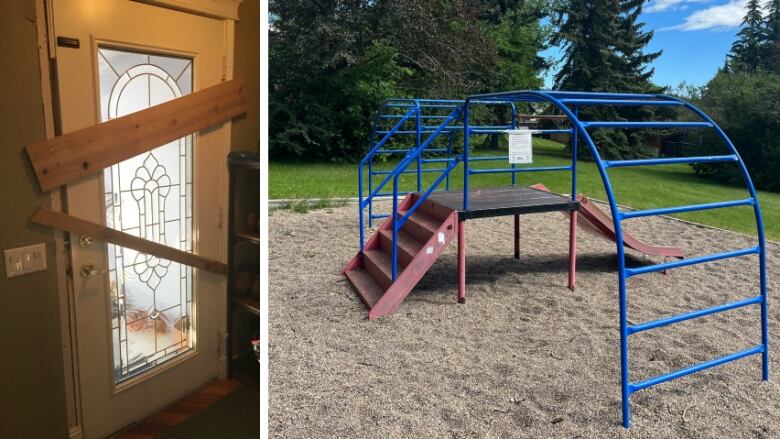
point(466, 169)
point(633, 329)
point(370, 157)
point(424, 195)
point(692, 261)
point(628, 214)
point(514, 126)
point(518, 170)
point(360, 205)
point(377, 121)
point(370, 189)
point(449, 156)
point(646, 125)
point(696, 368)
point(574, 148)
point(620, 102)
point(394, 271)
point(579, 127)
point(670, 161)
point(372, 137)
point(419, 141)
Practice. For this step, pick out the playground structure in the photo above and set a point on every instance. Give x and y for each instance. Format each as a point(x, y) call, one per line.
point(423, 223)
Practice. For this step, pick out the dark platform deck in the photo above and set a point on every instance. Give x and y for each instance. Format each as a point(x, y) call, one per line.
point(500, 201)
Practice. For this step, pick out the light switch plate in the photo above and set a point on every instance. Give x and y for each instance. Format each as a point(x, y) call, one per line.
point(25, 260)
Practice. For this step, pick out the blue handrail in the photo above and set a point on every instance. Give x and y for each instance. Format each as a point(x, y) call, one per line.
point(367, 158)
point(413, 155)
point(424, 122)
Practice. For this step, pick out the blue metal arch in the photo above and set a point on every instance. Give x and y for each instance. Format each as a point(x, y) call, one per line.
point(561, 100)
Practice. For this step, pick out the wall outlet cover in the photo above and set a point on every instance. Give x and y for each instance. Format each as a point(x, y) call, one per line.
point(25, 260)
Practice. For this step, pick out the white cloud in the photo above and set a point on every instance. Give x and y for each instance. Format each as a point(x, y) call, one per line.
point(665, 5)
point(720, 17)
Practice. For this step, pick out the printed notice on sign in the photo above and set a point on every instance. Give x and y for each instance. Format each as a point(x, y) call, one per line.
point(520, 149)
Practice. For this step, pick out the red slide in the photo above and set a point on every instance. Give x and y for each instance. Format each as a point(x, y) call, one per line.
point(594, 220)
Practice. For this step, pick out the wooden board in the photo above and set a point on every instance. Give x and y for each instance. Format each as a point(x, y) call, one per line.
point(65, 222)
point(67, 158)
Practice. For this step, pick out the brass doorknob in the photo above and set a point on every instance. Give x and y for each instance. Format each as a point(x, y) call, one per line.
point(88, 270)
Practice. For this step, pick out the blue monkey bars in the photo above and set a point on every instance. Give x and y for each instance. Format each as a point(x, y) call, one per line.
point(416, 117)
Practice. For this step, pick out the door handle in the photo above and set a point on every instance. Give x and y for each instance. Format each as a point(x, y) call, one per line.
point(89, 270)
point(85, 241)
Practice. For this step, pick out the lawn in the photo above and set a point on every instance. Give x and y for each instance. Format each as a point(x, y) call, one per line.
point(638, 187)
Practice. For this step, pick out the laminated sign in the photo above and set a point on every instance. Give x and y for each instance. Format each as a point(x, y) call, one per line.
point(520, 149)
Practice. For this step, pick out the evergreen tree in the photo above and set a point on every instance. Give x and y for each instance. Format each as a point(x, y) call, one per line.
point(603, 44)
point(771, 59)
point(747, 50)
point(514, 26)
point(631, 42)
point(586, 33)
point(496, 9)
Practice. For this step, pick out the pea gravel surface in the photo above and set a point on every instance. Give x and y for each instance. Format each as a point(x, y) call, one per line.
point(524, 356)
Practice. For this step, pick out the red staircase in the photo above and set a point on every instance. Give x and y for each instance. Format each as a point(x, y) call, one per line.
point(421, 240)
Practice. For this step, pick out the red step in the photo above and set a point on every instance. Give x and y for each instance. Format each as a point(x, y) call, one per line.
point(369, 291)
point(420, 226)
point(421, 240)
point(408, 246)
point(379, 265)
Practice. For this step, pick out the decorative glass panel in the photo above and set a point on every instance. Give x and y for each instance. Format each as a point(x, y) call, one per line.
point(148, 196)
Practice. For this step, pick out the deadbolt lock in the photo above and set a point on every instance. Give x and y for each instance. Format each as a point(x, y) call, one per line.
point(88, 270)
point(85, 240)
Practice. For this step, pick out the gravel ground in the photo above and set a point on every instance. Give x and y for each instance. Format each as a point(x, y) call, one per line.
point(525, 356)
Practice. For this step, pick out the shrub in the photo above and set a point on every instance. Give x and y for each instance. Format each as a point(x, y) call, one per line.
point(746, 107)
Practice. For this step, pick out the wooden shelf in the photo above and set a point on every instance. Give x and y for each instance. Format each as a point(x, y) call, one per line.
point(249, 304)
point(243, 245)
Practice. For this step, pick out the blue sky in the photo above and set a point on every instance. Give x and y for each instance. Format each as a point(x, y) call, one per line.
point(695, 36)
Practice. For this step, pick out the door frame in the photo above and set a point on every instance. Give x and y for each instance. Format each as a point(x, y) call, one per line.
point(227, 12)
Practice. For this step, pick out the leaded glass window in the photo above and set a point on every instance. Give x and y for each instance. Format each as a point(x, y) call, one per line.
point(149, 196)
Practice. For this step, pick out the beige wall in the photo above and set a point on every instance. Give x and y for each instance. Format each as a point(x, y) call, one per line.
point(246, 129)
point(32, 395)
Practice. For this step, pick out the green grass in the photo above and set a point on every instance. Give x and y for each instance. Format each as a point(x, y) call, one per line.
point(638, 187)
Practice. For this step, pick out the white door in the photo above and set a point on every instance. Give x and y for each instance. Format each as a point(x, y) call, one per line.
point(148, 331)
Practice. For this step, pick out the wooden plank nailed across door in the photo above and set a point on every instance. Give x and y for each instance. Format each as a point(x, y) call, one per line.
point(88, 151)
point(65, 222)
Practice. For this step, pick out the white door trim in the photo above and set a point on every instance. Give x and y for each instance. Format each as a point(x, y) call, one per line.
point(44, 25)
